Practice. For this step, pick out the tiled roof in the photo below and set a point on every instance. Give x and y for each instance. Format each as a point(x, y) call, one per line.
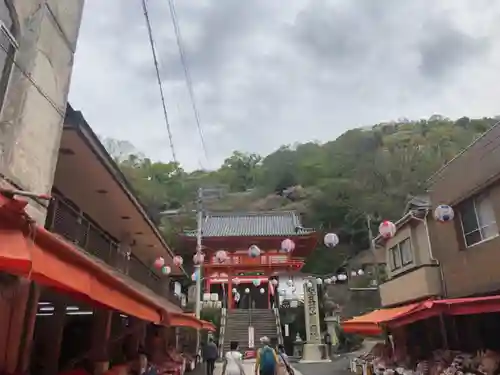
point(274, 223)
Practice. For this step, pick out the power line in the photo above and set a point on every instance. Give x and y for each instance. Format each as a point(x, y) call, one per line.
point(187, 75)
point(160, 85)
point(53, 104)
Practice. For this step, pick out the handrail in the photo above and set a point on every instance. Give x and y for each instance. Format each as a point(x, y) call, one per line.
point(278, 325)
point(222, 331)
point(65, 219)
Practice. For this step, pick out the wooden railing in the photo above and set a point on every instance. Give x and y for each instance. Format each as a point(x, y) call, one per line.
point(264, 260)
point(67, 220)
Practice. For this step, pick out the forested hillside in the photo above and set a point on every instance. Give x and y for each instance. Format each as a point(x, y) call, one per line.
point(368, 170)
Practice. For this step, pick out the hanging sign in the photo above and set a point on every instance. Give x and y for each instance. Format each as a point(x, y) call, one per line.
point(251, 337)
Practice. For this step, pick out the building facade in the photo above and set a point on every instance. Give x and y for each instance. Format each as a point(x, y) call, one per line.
point(468, 247)
point(427, 258)
point(37, 46)
point(239, 273)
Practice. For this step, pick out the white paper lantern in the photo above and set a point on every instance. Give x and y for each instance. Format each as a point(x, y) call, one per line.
point(221, 256)
point(387, 229)
point(178, 261)
point(287, 245)
point(309, 284)
point(331, 240)
point(319, 281)
point(334, 279)
point(159, 262)
point(262, 290)
point(289, 283)
point(247, 290)
point(274, 282)
point(253, 251)
point(342, 277)
point(354, 273)
point(444, 213)
point(234, 290)
point(328, 281)
point(361, 272)
point(198, 258)
point(256, 282)
point(236, 281)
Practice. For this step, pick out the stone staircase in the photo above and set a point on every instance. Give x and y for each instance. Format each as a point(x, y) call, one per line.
point(238, 321)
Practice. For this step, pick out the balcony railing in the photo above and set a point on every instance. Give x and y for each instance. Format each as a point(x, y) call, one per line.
point(277, 261)
point(68, 221)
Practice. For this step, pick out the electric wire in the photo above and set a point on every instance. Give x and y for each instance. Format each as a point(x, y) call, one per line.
point(11, 60)
point(158, 77)
point(187, 74)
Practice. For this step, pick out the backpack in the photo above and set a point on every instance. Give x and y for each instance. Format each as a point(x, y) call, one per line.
point(267, 360)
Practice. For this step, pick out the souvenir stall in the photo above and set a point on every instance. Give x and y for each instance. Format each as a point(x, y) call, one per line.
point(441, 337)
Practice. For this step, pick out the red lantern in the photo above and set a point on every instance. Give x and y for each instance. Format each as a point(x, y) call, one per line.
point(159, 262)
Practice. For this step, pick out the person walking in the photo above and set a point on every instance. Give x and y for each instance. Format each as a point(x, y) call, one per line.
point(284, 364)
point(233, 361)
point(267, 360)
point(328, 343)
point(210, 354)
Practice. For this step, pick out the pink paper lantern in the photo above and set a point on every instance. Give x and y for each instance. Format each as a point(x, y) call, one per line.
point(387, 229)
point(287, 245)
point(178, 261)
point(221, 256)
point(159, 262)
point(198, 258)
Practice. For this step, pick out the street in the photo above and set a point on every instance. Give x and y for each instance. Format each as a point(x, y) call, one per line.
point(336, 367)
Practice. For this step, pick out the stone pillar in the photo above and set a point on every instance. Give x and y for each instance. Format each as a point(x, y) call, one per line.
point(313, 350)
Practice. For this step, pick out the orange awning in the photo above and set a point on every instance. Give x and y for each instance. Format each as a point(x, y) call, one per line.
point(184, 320)
point(208, 326)
point(44, 257)
point(374, 322)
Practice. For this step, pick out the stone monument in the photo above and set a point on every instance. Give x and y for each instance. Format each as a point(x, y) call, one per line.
point(313, 350)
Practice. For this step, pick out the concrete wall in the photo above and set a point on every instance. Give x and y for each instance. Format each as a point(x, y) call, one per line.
point(33, 110)
point(416, 231)
point(468, 270)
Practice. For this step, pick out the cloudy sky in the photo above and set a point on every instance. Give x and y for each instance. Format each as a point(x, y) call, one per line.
point(272, 72)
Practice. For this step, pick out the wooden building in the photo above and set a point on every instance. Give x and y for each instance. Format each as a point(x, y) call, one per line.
point(236, 233)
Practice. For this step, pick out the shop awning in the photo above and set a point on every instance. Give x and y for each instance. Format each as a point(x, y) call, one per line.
point(31, 251)
point(187, 320)
point(374, 322)
point(208, 326)
point(469, 306)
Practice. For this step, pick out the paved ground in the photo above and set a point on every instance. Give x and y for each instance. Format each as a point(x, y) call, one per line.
point(338, 366)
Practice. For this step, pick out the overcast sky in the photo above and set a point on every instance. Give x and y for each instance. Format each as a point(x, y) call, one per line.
point(273, 72)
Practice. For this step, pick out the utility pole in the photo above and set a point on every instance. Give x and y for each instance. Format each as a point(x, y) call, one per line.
point(372, 248)
point(197, 267)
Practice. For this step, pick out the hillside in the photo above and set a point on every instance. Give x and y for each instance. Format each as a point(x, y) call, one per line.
point(367, 170)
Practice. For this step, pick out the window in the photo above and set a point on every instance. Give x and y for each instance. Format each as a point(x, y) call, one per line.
point(478, 219)
point(8, 45)
point(406, 254)
point(401, 254)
